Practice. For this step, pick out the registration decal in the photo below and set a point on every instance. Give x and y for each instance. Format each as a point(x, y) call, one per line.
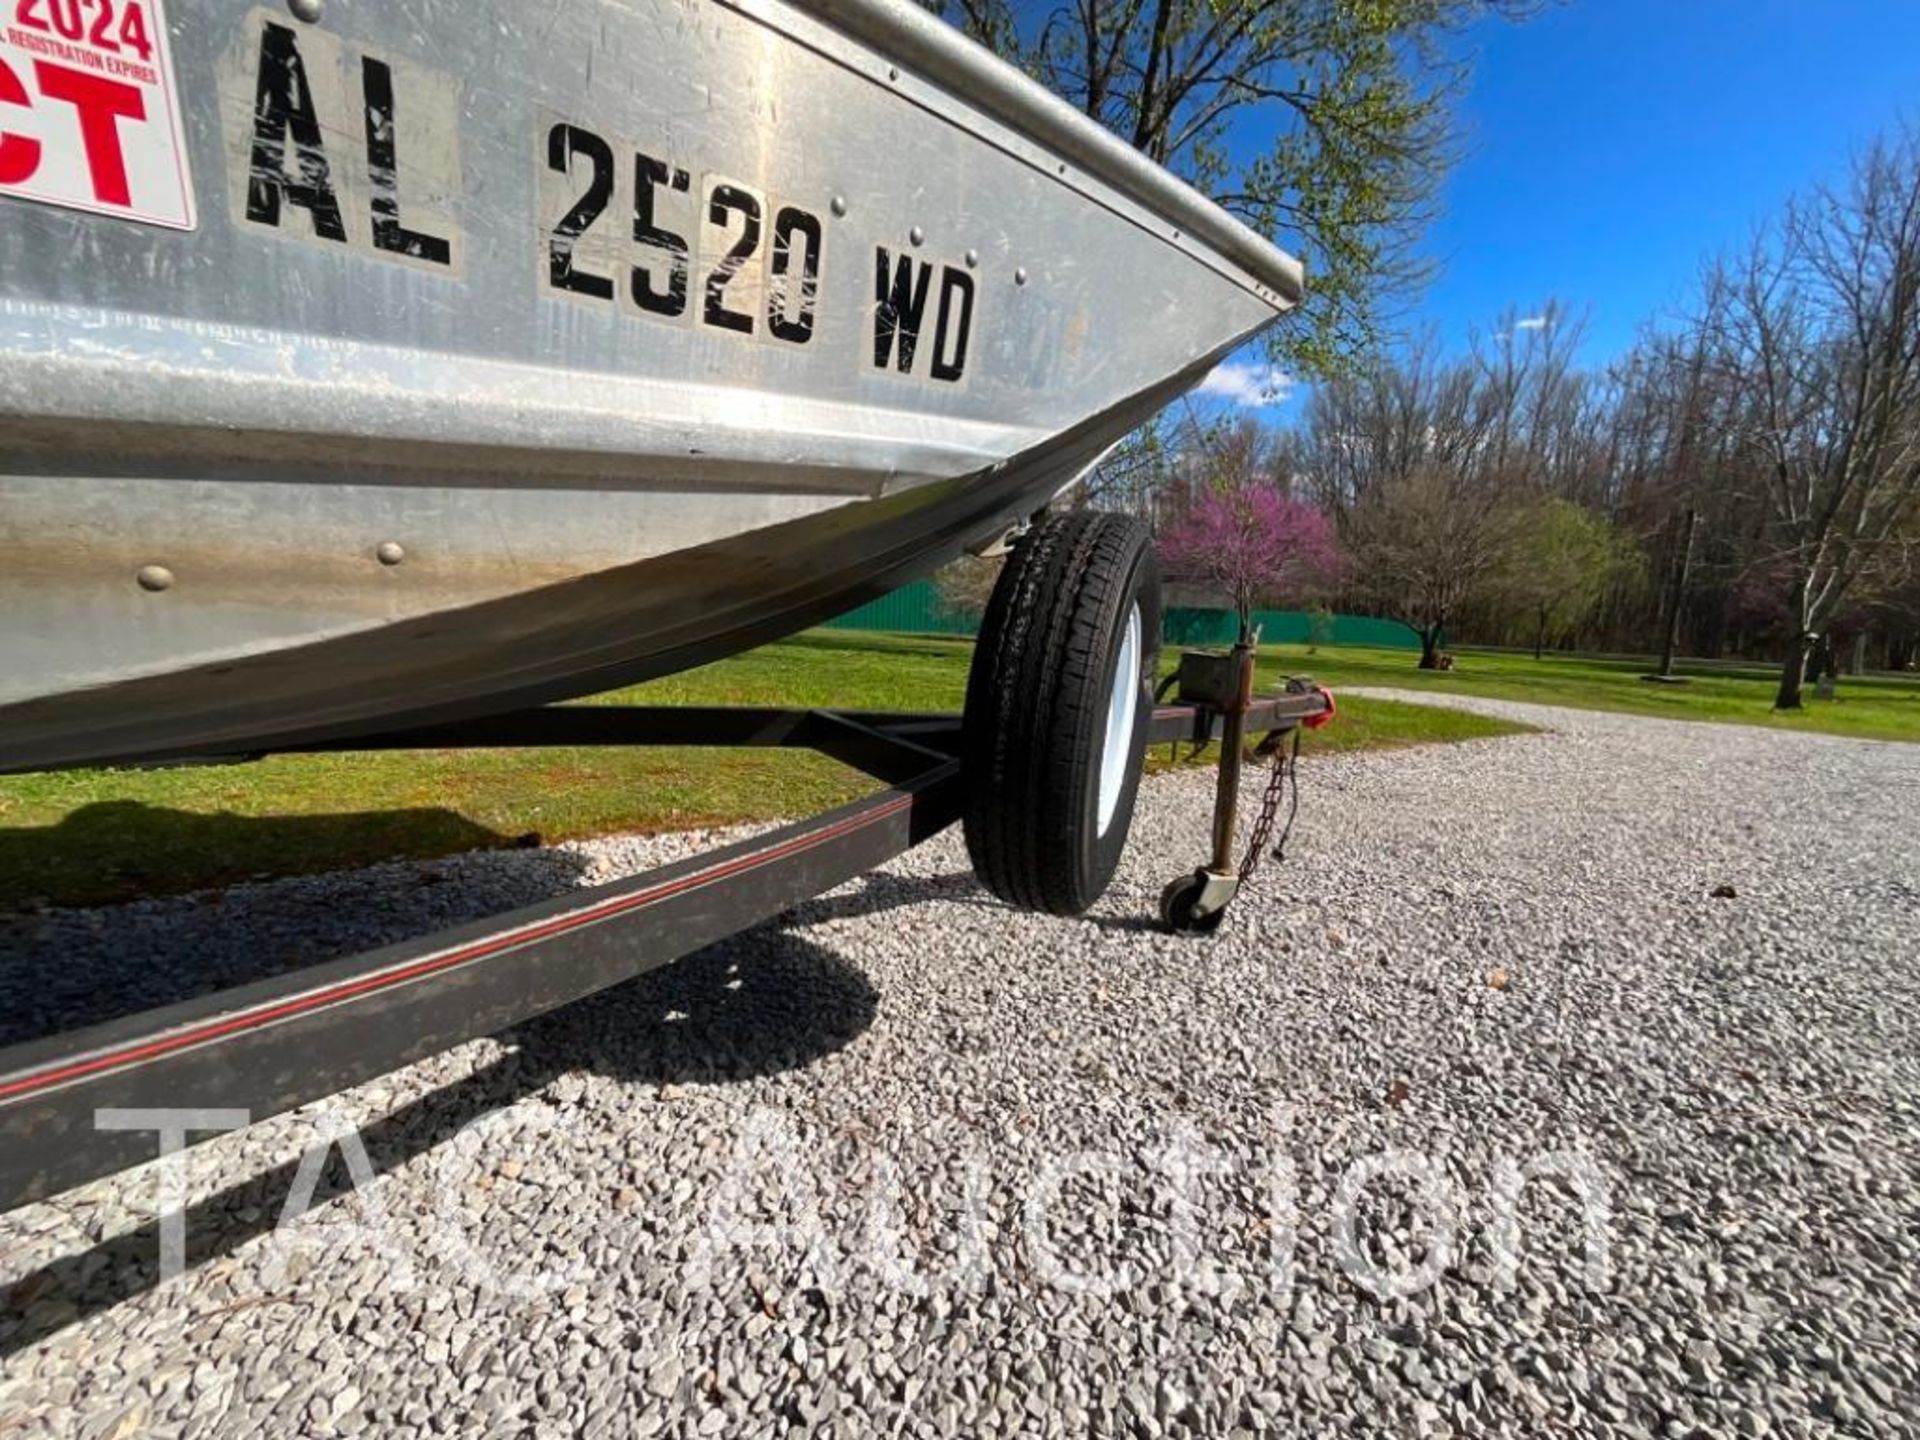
point(89, 112)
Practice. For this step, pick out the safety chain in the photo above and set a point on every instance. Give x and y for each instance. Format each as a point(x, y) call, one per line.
point(1285, 764)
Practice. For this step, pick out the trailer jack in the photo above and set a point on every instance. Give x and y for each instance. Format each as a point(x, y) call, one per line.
point(1222, 686)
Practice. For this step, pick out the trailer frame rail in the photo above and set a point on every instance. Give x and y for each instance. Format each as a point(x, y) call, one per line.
point(272, 1044)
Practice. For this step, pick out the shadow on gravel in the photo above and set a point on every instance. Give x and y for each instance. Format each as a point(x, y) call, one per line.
point(63, 970)
point(759, 1003)
point(880, 892)
point(1126, 924)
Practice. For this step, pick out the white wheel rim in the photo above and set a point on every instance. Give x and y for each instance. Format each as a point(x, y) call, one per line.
point(1123, 701)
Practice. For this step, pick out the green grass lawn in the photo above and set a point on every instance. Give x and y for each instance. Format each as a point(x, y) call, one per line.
point(88, 836)
point(1871, 707)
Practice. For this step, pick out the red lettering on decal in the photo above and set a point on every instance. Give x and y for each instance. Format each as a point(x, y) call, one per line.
point(101, 105)
point(19, 154)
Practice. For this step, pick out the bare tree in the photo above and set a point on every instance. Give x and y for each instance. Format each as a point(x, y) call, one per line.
point(1784, 414)
point(964, 585)
point(1530, 394)
point(1425, 464)
point(1424, 545)
point(1818, 325)
point(1132, 477)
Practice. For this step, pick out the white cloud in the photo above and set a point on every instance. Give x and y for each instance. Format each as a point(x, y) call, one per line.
point(1248, 383)
point(1532, 322)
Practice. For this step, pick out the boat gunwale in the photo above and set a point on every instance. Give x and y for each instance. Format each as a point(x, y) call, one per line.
point(902, 31)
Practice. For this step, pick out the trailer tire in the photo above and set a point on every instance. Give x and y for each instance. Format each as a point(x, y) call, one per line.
point(1059, 700)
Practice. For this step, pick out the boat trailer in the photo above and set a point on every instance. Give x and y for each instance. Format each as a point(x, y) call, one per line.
point(272, 1044)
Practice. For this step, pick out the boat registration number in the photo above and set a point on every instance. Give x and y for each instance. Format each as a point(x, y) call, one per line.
point(622, 226)
point(340, 146)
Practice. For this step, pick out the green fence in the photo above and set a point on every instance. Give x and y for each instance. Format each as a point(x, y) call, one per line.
point(912, 609)
point(916, 610)
point(1184, 625)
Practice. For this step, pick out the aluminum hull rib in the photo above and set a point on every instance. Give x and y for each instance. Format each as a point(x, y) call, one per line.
point(419, 420)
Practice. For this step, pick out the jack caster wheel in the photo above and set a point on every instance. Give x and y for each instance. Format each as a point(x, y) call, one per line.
point(1058, 704)
point(1178, 903)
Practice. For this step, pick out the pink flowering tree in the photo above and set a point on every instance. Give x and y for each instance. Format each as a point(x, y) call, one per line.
point(1252, 541)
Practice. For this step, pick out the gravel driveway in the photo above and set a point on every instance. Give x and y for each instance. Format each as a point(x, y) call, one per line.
point(1483, 1115)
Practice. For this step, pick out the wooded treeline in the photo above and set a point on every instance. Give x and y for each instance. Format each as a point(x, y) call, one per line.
point(1509, 496)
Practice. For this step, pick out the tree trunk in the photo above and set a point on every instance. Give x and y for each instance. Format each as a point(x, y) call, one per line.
point(1540, 637)
point(1793, 674)
point(1677, 596)
point(1820, 663)
point(1430, 647)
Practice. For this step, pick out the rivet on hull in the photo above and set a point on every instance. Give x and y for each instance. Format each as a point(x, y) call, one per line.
point(917, 235)
point(307, 10)
point(155, 578)
point(839, 204)
point(1020, 276)
point(390, 552)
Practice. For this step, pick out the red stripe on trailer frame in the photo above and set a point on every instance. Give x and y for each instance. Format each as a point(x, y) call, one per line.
point(434, 964)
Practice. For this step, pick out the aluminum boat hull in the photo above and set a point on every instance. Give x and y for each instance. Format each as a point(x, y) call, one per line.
point(515, 352)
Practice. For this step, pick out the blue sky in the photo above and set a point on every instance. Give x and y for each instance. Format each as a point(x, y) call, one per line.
point(1614, 144)
point(1618, 142)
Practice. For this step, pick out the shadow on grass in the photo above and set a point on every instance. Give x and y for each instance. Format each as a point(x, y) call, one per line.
point(922, 646)
point(117, 850)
